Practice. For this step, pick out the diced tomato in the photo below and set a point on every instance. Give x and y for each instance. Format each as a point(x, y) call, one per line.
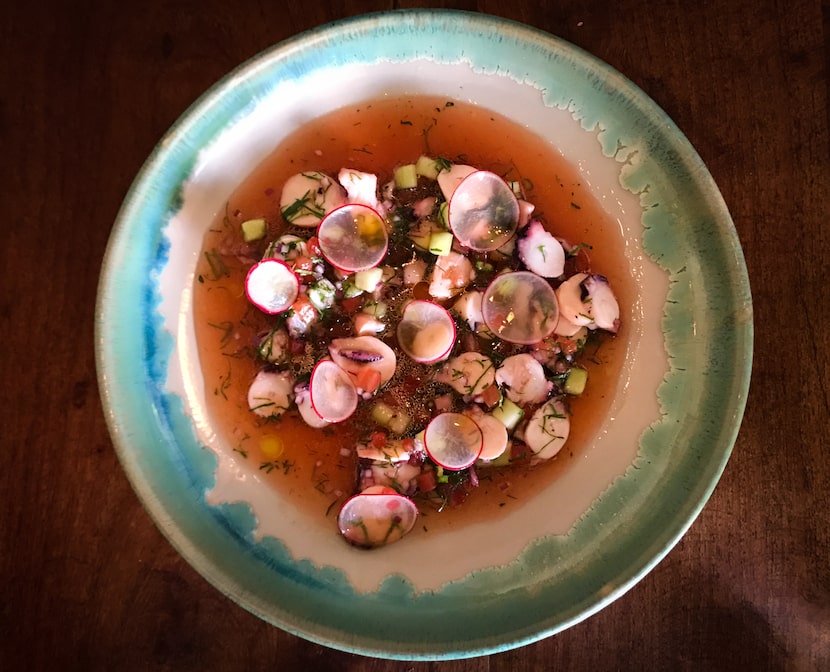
point(426, 481)
point(368, 379)
point(408, 445)
point(519, 452)
point(459, 496)
point(303, 264)
point(569, 345)
point(443, 402)
point(297, 346)
point(304, 310)
point(313, 246)
point(378, 440)
point(351, 305)
point(411, 384)
point(491, 396)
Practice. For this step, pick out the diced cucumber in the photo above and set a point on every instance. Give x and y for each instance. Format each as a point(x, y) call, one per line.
point(253, 229)
point(399, 422)
point(427, 167)
point(440, 243)
point(406, 177)
point(576, 381)
point(508, 414)
point(382, 413)
point(368, 279)
point(442, 218)
point(349, 289)
point(420, 238)
point(321, 294)
point(375, 308)
point(386, 416)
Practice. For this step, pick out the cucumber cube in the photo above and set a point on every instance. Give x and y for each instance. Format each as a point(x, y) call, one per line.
point(368, 279)
point(406, 177)
point(253, 229)
point(576, 381)
point(427, 167)
point(442, 217)
point(508, 414)
point(440, 243)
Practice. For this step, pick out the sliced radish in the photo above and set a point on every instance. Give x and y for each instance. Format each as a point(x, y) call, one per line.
point(272, 286)
point(520, 307)
point(483, 211)
point(426, 332)
point(453, 441)
point(332, 392)
point(354, 354)
point(376, 517)
point(353, 237)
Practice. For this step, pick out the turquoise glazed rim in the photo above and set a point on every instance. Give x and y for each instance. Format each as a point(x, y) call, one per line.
point(708, 333)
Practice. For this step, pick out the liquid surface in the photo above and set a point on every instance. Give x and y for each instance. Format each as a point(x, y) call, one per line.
point(316, 468)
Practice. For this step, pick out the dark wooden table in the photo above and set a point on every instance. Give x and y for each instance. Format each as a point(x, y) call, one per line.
point(86, 580)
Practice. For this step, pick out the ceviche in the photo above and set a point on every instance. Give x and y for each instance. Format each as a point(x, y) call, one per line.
point(436, 314)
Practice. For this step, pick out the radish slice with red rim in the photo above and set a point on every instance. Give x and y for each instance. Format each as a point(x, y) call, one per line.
point(376, 517)
point(272, 286)
point(453, 441)
point(520, 307)
point(483, 211)
point(426, 331)
point(332, 392)
point(353, 237)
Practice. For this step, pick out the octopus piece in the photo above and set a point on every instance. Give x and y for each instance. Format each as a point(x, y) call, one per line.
point(448, 180)
point(604, 307)
point(360, 187)
point(541, 252)
point(452, 273)
point(468, 307)
point(548, 429)
point(271, 393)
point(307, 412)
point(308, 197)
point(469, 374)
point(588, 301)
point(523, 379)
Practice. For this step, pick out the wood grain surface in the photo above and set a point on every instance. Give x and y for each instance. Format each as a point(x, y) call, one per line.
point(86, 580)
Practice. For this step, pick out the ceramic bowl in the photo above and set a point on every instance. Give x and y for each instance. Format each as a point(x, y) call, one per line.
point(574, 547)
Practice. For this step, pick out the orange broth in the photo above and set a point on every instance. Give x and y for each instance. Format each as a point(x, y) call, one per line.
point(317, 467)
